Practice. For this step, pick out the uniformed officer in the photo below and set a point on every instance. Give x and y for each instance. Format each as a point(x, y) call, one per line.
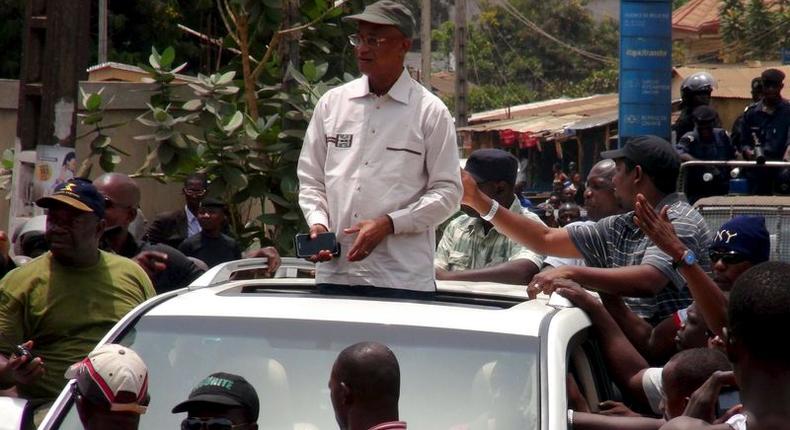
point(767, 124)
point(705, 142)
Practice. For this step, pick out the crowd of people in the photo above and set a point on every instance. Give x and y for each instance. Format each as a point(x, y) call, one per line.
point(680, 312)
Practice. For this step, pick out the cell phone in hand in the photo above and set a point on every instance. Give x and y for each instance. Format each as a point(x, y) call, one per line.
point(306, 247)
point(728, 397)
point(19, 350)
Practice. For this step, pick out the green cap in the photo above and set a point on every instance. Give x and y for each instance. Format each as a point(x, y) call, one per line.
point(387, 12)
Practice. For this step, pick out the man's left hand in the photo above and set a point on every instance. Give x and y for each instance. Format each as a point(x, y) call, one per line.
point(271, 255)
point(369, 233)
point(545, 281)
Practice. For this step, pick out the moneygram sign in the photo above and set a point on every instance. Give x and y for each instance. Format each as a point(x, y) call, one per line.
point(645, 68)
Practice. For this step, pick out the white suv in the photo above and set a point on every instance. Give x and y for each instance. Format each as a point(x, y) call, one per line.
point(478, 356)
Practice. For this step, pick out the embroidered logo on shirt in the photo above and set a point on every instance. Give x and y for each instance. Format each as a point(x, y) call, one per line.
point(341, 140)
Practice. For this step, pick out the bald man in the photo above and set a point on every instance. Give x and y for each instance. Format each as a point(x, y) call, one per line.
point(365, 386)
point(168, 268)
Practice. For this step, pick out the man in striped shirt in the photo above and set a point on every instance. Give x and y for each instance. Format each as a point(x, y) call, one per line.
point(620, 259)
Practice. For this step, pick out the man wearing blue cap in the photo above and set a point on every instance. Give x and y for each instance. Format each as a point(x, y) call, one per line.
point(379, 166)
point(62, 303)
point(471, 249)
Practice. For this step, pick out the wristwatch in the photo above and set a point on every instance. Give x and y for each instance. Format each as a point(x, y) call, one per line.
point(689, 258)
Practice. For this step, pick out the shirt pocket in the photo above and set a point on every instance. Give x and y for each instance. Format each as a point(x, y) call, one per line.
point(404, 160)
point(457, 260)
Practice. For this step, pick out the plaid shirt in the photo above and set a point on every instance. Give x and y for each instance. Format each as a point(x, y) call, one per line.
point(465, 245)
point(616, 241)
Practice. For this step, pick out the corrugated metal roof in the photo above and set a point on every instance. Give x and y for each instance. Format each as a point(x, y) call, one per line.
point(702, 16)
point(555, 117)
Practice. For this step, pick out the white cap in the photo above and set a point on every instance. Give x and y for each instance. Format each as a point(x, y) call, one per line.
point(109, 370)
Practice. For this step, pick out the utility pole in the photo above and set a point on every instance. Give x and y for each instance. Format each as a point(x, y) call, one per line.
point(425, 44)
point(102, 31)
point(460, 64)
point(54, 60)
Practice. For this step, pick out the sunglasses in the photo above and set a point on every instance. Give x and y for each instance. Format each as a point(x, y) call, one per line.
point(209, 424)
point(726, 257)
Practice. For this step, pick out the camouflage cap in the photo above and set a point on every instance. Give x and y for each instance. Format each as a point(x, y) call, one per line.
point(387, 12)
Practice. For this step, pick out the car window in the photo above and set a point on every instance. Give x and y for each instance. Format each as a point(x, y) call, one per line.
point(450, 379)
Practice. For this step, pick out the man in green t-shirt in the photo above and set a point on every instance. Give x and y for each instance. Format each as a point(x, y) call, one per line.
point(62, 303)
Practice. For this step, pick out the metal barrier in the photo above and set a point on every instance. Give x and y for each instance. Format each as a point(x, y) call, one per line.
point(684, 167)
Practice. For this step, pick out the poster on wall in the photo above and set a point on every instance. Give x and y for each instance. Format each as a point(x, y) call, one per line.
point(54, 165)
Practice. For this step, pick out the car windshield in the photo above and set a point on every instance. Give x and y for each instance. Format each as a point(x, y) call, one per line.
point(450, 379)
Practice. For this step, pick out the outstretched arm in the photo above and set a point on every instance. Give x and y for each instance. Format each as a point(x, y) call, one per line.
point(534, 235)
point(518, 272)
point(709, 299)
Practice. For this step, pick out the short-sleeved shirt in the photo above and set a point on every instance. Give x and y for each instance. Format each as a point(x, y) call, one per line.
point(616, 241)
point(66, 311)
point(772, 129)
point(653, 385)
point(211, 250)
point(465, 245)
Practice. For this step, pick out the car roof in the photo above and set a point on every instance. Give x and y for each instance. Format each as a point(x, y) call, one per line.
point(482, 307)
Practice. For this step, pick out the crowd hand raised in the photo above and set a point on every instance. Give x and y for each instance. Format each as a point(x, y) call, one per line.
point(657, 227)
point(547, 281)
point(576, 294)
point(22, 370)
point(324, 254)
point(471, 191)
point(152, 262)
point(370, 233)
point(702, 403)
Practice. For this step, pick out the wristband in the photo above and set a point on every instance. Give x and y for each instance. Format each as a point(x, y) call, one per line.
point(570, 418)
point(491, 212)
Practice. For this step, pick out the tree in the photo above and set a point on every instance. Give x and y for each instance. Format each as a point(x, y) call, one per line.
point(760, 32)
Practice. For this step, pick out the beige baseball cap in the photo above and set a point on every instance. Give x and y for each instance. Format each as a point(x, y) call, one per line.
point(109, 370)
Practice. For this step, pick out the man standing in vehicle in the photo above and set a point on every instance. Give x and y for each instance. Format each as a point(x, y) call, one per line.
point(379, 167)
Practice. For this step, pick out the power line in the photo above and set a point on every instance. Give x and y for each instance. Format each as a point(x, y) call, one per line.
point(507, 6)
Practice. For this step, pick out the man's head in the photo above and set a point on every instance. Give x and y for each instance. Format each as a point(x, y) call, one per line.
point(211, 215)
point(773, 82)
point(693, 332)
point(495, 172)
point(759, 311)
point(365, 380)
point(121, 199)
point(599, 198)
point(739, 244)
point(568, 194)
point(686, 372)
point(383, 37)
point(75, 220)
point(568, 213)
point(226, 400)
point(647, 165)
point(704, 119)
point(195, 187)
point(695, 90)
point(111, 388)
point(757, 89)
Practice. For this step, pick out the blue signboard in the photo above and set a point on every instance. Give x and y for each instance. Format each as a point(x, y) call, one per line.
point(645, 68)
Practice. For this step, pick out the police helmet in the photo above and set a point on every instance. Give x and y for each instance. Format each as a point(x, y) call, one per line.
point(698, 82)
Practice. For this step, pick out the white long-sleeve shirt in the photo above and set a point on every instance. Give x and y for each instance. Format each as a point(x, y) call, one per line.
point(366, 156)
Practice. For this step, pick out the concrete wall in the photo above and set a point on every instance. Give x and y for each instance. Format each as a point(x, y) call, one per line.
point(128, 103)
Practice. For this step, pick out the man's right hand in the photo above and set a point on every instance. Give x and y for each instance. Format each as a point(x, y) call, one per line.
point(324, 254)
point(152, 262)
point(577, 295)
point(23, 371)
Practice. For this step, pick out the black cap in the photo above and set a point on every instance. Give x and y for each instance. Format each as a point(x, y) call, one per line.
point(704, 113)
point(773, 75)
point(653, 153)
point(387, 12)
point(491, 165)
point(79, 193)
point(210, 202)
point(223, 389)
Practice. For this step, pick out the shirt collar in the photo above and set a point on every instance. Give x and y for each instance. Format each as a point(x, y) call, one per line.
point(190, 216)
point(391, 425)
point(399, 91)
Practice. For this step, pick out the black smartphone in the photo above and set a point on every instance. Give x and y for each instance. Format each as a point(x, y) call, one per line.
point(306, 247)
point(728, 397)
point(19, 350)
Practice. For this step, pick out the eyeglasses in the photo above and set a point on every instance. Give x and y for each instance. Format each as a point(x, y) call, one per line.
point(371, 41)
point(209, 424)
point(195, 193)
point(726, 257)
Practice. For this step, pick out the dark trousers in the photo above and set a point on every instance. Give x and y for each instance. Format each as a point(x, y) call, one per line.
point(371, 291)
